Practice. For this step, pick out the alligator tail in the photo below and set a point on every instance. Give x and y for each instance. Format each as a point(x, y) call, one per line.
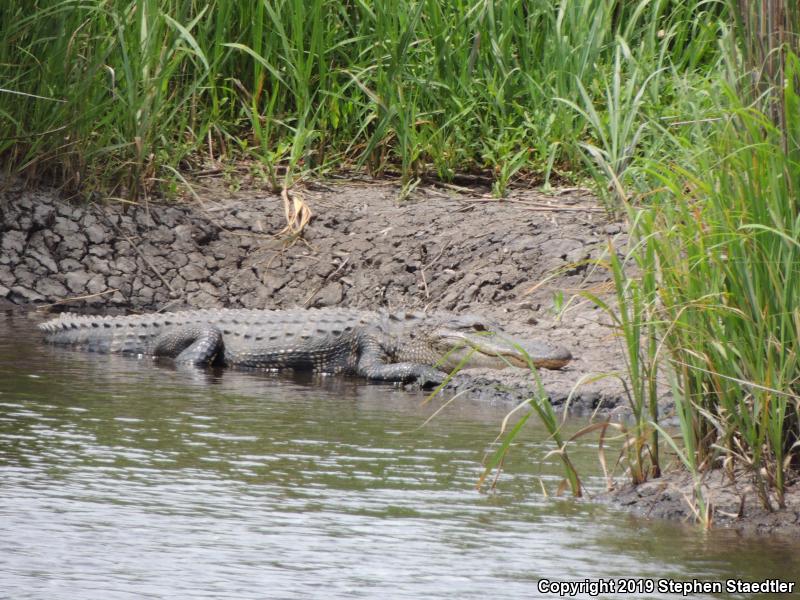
point(95, 334)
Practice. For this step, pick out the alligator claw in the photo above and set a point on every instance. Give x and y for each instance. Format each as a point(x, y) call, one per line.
point(428, 377)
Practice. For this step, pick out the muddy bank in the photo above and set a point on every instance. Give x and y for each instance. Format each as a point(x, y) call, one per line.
point(733, 503)
point(513, 260)
point(441, 249)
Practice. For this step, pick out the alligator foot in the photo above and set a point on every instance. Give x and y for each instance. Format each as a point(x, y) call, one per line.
point(195, 345)
point(404, 372)
point(428, 377)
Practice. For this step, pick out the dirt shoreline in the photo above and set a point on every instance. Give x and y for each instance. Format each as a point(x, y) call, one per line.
point(443, 248)
point(732, 502)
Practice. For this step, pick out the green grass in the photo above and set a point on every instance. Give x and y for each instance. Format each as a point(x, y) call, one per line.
point(712, 296)
point(707, 290)
point(105, 94)
point(726, 249)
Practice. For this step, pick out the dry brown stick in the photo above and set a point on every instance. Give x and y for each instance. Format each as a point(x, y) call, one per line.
point(526, 205)
point(169, 305)
point(591, 209)
point(324, 281)
point(430, 264)
point(458, 188)
point(424, 283)
point(74, 298)
point(438, 256)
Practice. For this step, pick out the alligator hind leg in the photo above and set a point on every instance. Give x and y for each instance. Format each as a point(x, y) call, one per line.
point(191, 344)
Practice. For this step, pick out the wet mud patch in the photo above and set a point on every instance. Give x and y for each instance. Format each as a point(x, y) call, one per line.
point(733, 503)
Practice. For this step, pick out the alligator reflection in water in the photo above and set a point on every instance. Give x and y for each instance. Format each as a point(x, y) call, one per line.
point(122, 480)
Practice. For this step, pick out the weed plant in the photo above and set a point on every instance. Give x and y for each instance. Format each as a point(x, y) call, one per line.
point(725, 241)
point(707, 289)
point(716, 251)
point(105, 94)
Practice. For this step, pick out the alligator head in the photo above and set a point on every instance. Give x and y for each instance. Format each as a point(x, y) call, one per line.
point(479, 342)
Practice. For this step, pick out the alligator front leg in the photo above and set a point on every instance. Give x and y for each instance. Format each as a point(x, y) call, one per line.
point(404, 372)
point(191, 344)
point(372, 364)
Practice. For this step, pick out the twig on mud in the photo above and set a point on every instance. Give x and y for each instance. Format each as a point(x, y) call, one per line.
point(571, 190)
point(169, 305)
point(74, 298)
point(432, 191)
point(438, 256)
point(209, 173)
point(319, 186)
point(457, 188)
point(473, 179)
point(424, 283)
point(324, 281)
point(539, 206)
point(429, 265)
point(562, 208)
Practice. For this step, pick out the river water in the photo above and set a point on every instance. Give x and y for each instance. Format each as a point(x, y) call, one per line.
point(123, 479)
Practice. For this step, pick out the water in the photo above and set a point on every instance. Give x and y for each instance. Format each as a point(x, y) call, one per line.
point(122, 479)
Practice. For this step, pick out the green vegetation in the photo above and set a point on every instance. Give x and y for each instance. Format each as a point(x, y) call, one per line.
point(683, 111)
point(111, 94)
point(709, 288)
point(724, 241)
point(717, 250)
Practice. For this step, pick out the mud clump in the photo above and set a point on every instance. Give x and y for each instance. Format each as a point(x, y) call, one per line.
point(732, 502)
point(513, 260)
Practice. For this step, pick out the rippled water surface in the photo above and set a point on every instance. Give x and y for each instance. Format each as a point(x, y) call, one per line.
point(124, 479)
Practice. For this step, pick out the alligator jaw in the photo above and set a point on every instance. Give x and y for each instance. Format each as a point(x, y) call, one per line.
point(488, 350)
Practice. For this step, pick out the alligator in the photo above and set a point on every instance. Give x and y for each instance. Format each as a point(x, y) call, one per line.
point(379, 345)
